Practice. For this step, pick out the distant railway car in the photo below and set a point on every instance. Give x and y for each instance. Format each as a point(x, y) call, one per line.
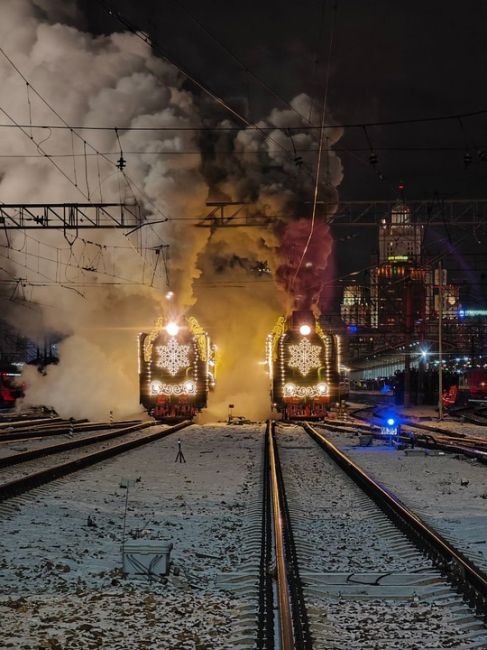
point(176, 369)
point(472, 385)
point(9, 390)
point(476, 383)
point(304, 367)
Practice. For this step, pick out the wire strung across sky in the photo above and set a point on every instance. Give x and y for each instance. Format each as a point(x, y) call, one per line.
point(197, 152)
point(304, 127)
point(320, 150)
point(73, 130)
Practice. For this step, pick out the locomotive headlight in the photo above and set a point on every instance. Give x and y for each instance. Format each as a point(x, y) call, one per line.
point(322, 389)
point(172, 329)
point(305, 330)
point(189, 387)
point(289, 390)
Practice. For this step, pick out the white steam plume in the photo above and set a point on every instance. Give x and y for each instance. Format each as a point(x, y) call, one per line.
point(95, 288)
point(99, 289)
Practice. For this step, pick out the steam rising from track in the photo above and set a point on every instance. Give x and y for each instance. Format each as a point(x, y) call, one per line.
point(97, 289)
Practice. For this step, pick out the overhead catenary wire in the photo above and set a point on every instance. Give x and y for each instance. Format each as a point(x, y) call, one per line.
point(130, 183)
point(320, 149)
point(244, 68)
point(425, 119)
point(156, 46)
point(39, 148)
point(229, 152)
point(85, 155)
point(316, 59)
point(73, 131)
point(59, 263)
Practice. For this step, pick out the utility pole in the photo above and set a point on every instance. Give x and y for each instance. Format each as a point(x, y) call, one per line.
point(407, 357)
point(440, 341)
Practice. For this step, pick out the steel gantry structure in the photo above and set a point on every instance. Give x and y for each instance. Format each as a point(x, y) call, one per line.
point(232, 214)
point(427, 212)
point(69, 216)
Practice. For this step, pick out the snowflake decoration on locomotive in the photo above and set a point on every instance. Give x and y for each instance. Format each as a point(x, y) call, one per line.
point(176, 369)
point(173, 356)
point(304, 356)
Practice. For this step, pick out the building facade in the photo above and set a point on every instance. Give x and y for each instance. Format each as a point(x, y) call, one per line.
point(392, 318)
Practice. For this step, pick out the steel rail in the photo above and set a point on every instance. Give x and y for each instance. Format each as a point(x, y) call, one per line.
point(437, 438)
point(458, 444)
point(429, 441)
point(32, 454)
point(301, 630)
point(265, 617)
point(26, 483)
point(61, 429)
point(285, 619)
point(432, 428)
point(464, 575)
point(41, 423)
point(23, 421)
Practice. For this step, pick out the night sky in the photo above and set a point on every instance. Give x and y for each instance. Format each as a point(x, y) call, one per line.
point(389, 61)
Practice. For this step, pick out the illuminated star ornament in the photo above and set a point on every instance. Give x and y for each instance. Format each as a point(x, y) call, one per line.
point(173, 356)
point(304, 357)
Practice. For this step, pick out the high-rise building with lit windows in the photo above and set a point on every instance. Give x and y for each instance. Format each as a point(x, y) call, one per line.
point(400, 285)
point(400, 299)
point(355, 307)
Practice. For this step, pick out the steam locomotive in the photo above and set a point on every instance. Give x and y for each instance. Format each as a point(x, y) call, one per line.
point(304, 367)
point(176, 369)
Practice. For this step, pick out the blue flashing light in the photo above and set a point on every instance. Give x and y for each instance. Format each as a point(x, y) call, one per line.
point(391, 425)
point(461, 313)
point(353, 329)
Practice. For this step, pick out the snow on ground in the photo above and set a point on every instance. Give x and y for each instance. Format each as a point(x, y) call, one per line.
point(447, 491)
point(37, 464)
point(60, 577)
point(343, 532)
point(428, 415)
point(378, 625)
point(339, 526)
point(10, 447)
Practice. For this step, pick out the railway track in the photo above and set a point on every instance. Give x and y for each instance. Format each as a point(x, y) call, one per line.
point(199, 507)
point(353, 567)
point(321, 564)
point(376, 418)
point(476, 416)
point(35, 477)
point(47, 450)
point(292, 613)
point(40, 429)
point(13, 417)
point(427, 436)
